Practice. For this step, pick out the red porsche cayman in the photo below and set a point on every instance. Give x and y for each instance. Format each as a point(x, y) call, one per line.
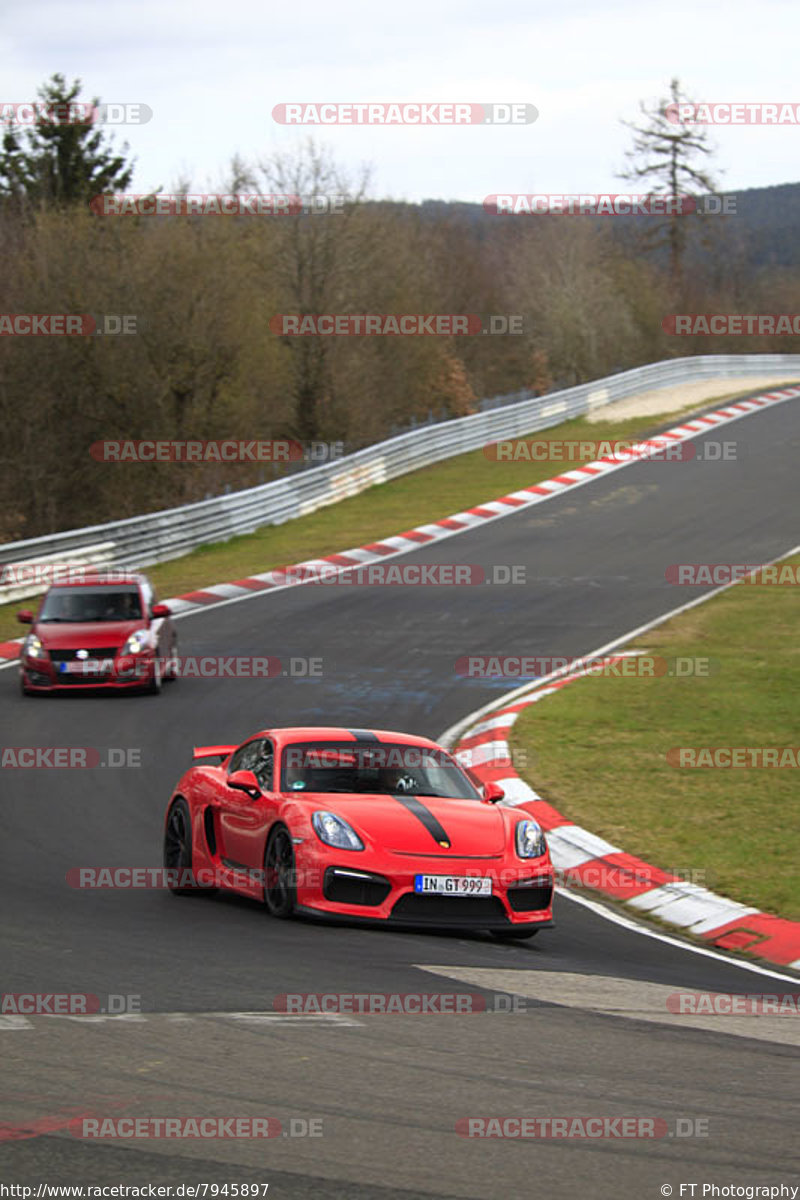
point(354, 824)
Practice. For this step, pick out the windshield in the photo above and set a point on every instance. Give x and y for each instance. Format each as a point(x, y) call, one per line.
point(388, 768)
point(81, 604)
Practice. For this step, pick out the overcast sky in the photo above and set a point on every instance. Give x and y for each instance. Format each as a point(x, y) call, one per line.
point(212, 73)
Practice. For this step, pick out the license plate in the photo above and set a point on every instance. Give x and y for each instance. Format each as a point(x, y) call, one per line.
point(88, 667)
point(452, 885)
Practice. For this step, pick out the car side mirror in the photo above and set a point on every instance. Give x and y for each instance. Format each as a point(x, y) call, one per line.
point(245, 781)
point(492, 792)
point(160, 610)
point(25, 617)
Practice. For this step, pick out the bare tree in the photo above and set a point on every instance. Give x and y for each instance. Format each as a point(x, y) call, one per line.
point(663, 155)
point(317, 259)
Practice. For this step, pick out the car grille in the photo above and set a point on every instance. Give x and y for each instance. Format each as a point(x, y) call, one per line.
point(531, 899)
point(450, 910)
point(343, 888)
point(59, 656)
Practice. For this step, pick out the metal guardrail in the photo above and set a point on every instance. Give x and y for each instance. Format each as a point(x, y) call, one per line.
point(160, 536)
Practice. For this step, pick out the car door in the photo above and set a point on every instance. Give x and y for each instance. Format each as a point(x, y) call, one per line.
point(243, 821)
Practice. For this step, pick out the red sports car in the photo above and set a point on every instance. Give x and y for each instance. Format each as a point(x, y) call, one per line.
point(355, 824)
point(98, 629)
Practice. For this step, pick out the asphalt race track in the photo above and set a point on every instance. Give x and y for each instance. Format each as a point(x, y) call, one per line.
point(389, 1089)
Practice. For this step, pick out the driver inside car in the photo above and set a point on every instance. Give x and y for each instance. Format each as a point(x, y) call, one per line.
point(119, 607)
point(402, 782)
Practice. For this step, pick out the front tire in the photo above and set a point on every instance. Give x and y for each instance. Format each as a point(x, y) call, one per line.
point(154, 686)
point(171, 670)
point(280, 892)
point(178, 849)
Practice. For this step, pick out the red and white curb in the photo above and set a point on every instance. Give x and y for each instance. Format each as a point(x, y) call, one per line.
point(422, 535)
point(595, 864)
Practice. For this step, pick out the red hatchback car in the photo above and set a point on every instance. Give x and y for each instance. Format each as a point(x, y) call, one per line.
point(355, 825)
point(99, 630)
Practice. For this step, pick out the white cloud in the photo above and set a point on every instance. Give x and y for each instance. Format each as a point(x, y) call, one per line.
point(213, 72)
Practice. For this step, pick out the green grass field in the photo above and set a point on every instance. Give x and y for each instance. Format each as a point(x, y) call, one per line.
point(598, 746)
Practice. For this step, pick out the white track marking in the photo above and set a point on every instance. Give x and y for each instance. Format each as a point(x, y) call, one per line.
point(633, 999)
point(618, 918)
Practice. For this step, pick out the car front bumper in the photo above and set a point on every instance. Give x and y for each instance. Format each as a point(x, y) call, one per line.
point(44, 676)
point(521, 897)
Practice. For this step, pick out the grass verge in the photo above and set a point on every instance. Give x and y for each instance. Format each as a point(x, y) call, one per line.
point(598, 747)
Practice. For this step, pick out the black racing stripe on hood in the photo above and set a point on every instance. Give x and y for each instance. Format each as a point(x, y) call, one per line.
point(363, 735)
point(426, 818)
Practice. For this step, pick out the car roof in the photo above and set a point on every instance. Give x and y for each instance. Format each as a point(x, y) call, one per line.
point(294, 733)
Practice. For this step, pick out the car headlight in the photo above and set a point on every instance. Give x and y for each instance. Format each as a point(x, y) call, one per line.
point(530, 840)
point(138, 641)
point(334, 831)
point(33, 647)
